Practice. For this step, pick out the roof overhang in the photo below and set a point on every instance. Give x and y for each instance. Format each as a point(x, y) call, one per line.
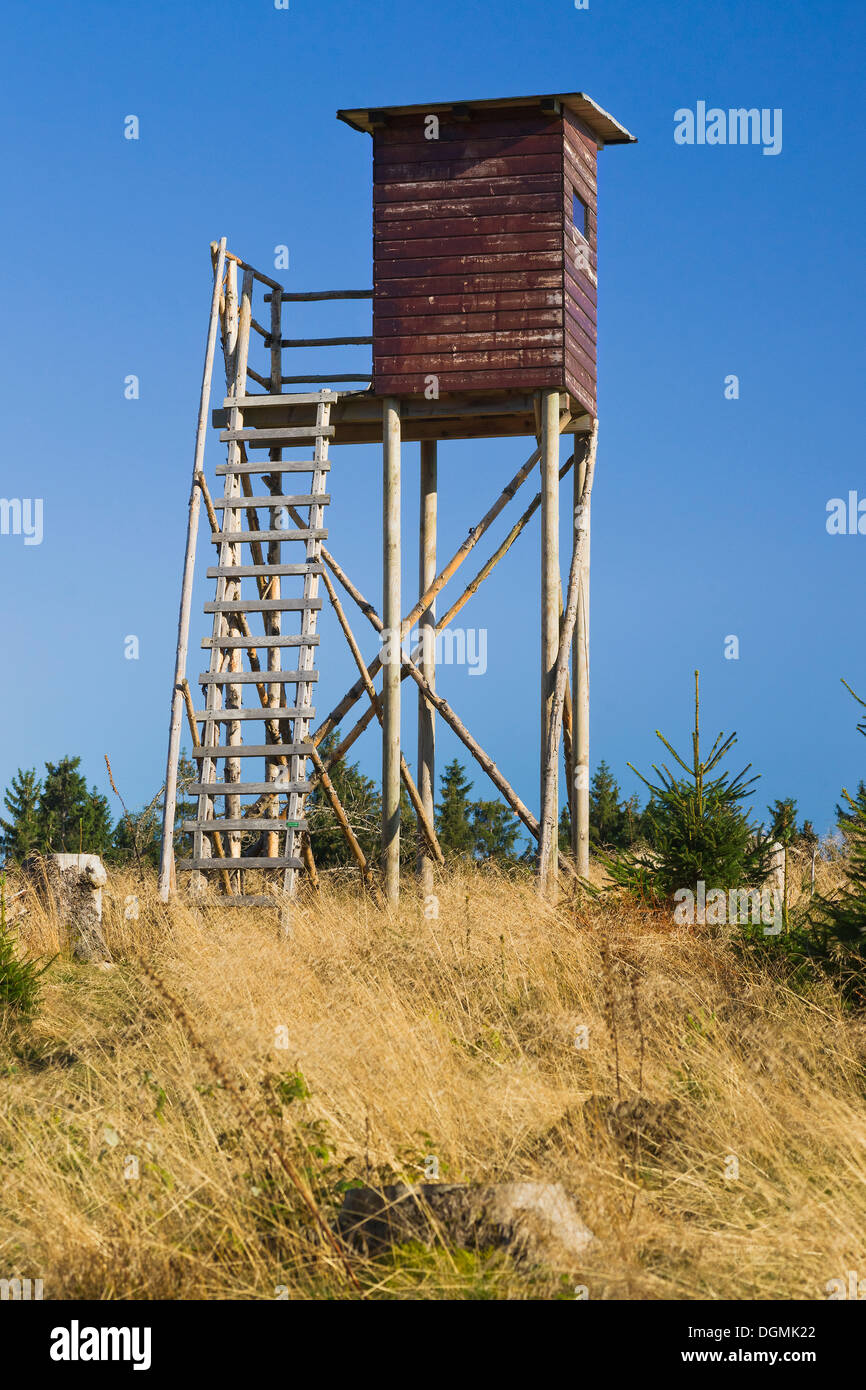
point(598, 121)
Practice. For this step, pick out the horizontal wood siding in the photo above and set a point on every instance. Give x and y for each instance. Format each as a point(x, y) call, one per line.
point(468, 256)
point(579, 284)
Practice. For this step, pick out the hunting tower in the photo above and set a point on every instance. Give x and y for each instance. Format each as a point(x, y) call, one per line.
point(484, 298)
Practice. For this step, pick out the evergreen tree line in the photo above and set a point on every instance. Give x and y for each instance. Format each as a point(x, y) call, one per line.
point(58, 813)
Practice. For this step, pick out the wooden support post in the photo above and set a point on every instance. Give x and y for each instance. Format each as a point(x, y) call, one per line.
point(550, 580)
point(391, 638)
point(166, 863)
point(580, 679)
point(427, 662)
point(547, 840)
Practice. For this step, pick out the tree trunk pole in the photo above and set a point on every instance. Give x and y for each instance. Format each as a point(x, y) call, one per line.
point(391, 662)
point(580, 685)
point(551, 581)
point(166, 863)
point(547, 840)
point(427, 663)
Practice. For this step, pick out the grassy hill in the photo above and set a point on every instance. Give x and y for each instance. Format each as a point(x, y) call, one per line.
point(180, 1125)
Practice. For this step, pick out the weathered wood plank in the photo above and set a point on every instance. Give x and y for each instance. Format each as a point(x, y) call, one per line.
point(301, 534)
point(392, 327)
point(255, 677)
point(467, 222)
point(297, 499)
point(254, 750)
point(497, 211)
point(459, 342)
point(283, 435)
point(402, 383)
point(466, 361)
point(261, 605)
point(456, 170)
point(284, 712)
point(263, 571)
point(424, 189)
point(266, 466)
point(470, 282)
point(288, 640)
point(511, 301)
point(428, 267)
point(436, 244)
point(477, 148)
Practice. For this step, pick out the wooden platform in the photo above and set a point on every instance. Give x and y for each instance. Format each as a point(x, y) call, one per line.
point(357, 417)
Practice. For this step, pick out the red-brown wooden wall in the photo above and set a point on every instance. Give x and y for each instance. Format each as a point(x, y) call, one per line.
point(475, 276)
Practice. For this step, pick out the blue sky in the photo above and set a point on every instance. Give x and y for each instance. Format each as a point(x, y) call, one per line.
point(708, 514)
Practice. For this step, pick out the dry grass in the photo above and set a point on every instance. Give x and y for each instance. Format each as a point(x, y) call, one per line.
point(453, 1038)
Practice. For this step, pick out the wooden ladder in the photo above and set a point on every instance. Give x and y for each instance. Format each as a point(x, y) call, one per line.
point(218, 843)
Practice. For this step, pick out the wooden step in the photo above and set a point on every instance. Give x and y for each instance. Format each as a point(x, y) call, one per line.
point(265, 571)
point(256, 677)
point(293, 398)
point(224, 470)
point(284, 435)
point(296, 499)
point(302, 533)
point(229, 716)
point(257, 788)
point(294, 639)
point(261, 605)
point(254, 750)
point(211, 825)
point(232, 864)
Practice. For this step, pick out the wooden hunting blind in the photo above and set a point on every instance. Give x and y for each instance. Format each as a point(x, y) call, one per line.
point(485, 244)
point(483, 325)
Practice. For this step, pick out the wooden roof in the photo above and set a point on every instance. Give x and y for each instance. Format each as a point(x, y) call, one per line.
point(602, 125)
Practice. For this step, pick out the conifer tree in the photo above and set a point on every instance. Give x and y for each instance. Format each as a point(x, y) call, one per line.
point(495, 832)
point(842, 917)
point(20, 835)
point(453, 824)
point(70, 816)
point(698, 828)
point(607, 819)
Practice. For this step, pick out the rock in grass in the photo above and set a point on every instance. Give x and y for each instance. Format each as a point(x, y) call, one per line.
point(535, 1222)
point(74, 883)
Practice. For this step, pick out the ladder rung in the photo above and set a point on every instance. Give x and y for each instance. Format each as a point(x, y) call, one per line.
point(303, 533)
point(285, 433)
point(223, 470)
point(261, 605)
point(289, 398)
point(254, 750)
point(298, 499)
point(294, 639)
point(259, 788)
point(232, 864)
point(230, 716)
point(211, 825)
point(256, 677)
point(266, 571)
